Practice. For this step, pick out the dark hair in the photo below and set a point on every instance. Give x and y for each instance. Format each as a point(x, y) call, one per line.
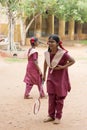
point(33, 40)
point(55, 37)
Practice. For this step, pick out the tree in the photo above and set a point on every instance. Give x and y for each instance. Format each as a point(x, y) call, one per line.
point(71, 11)
point(59, 12)
point(33, 9)
point(76, 11)
point(11, 8)
point(64, 10)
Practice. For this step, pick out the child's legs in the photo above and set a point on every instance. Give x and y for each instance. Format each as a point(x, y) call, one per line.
point(28, 89)
point(59, 106)
point(51, 105)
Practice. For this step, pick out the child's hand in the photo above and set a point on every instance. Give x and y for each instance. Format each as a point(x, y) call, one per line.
point(43, 78)
point(59, 67)
point(40, 72)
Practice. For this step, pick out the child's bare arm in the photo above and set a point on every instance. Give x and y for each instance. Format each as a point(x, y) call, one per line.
point(38, 68)
point(45, 69)
point(70, 62)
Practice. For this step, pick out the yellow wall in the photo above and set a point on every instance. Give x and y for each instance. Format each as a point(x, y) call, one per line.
point(3, 29)
point(17, 35)
point(27, 41)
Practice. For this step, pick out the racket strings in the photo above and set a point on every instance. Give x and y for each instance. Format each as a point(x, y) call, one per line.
point(36, 106)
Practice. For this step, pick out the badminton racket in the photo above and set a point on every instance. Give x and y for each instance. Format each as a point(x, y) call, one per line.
point(36, 106)
point(37, 103)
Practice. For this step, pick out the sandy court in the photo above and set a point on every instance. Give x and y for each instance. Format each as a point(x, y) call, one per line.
point(16, 113)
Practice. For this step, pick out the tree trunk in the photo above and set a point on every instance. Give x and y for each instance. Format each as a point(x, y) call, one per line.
point(38, 26)
point(71, 29)
point(11, 32)
point(23, 31)
point(61, 28)
point(32, 20)
point(50, 24)
point(79, 30)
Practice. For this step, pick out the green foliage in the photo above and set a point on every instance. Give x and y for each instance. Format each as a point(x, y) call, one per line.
point(71, 9)
point(33, 7)
point(63, 9)
point(83, 42)
point(82, 11)
point(59, 9)
point(15, 59)
point(11, 5)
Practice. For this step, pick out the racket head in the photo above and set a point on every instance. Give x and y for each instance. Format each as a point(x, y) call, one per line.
point(36, 106)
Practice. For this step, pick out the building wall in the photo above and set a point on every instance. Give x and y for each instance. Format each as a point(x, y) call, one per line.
point(4, 29)
point(43, 27)
point(17, 33)
point(46, 29)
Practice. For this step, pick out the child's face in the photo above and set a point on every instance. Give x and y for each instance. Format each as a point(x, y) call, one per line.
point(52, 44)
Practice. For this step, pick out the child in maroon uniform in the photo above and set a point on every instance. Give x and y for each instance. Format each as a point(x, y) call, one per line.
point(58, 85)
point(33, 74)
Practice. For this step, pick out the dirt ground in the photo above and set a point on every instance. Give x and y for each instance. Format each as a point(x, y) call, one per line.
point(16, 113)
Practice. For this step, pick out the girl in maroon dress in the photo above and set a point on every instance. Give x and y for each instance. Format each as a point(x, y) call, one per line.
point(58, 85)
point(33, 74)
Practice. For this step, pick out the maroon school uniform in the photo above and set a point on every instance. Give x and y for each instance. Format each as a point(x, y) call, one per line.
point(58, 81)
point(32, 76)
point(58, 86)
